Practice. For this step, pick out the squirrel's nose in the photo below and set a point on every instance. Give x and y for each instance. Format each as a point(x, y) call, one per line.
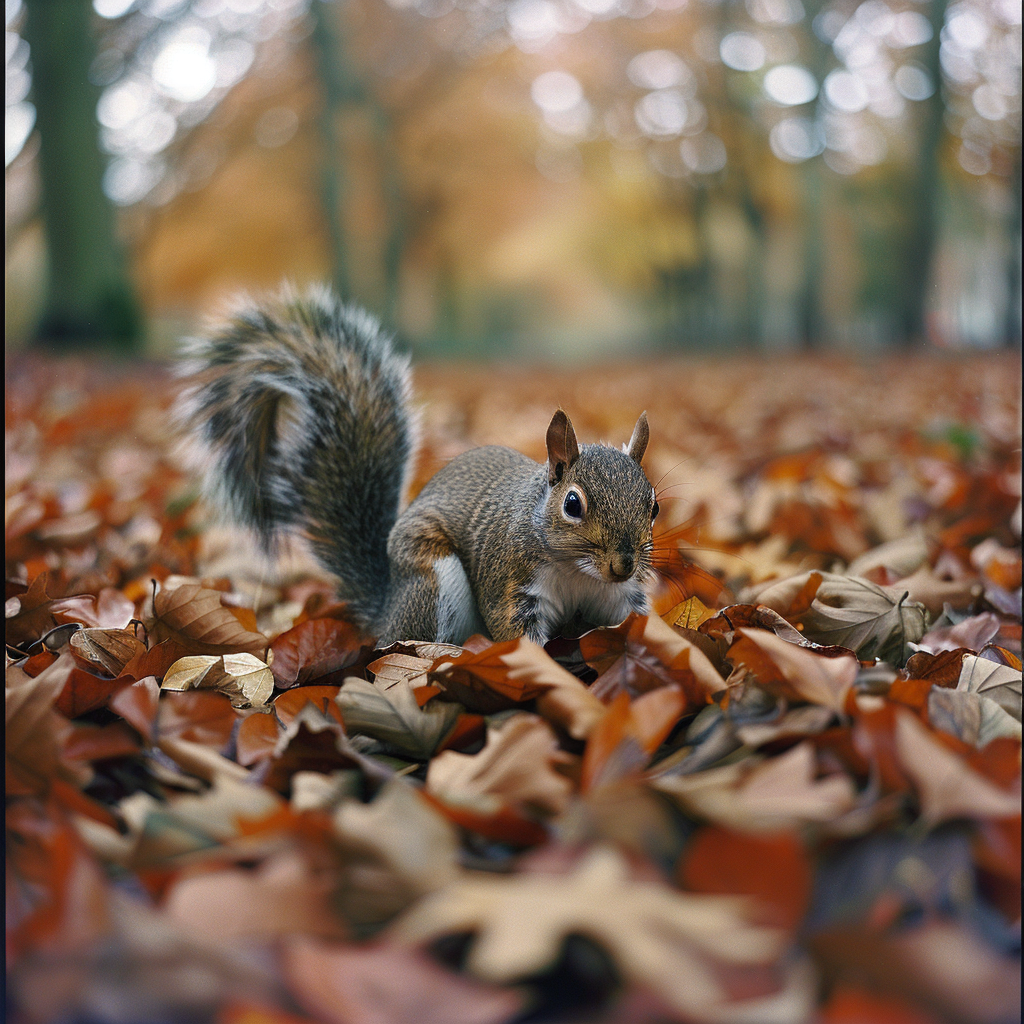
point(622, 565)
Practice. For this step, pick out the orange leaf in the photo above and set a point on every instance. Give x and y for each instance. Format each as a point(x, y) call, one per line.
point(856, 1006)
point(198, 716)
point(256, 739)
point(772, 867)
point(100, 742)
point(653, 715)
point(288, 704)
point(154, 662)
point(605, 739)
point(504, 826)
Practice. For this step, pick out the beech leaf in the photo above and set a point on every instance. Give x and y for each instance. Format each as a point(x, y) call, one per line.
point(193, 616)
point(108, 649)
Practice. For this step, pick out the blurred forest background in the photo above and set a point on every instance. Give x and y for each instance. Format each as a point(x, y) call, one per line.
point(521, 178)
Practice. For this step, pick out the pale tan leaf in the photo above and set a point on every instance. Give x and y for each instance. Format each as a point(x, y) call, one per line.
point(657, 937)
point(970, 716)
point(517, 766)
point(397, 848)
point(242, 678)
point(946, 785)
point(999, 683)
point(763, 795)
point(283, 896)
point(818, 679)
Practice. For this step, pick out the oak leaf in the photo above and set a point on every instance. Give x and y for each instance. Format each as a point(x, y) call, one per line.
point(667, 940)
point(518, 766)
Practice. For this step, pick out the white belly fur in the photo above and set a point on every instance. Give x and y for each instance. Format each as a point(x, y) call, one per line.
point(562, 595)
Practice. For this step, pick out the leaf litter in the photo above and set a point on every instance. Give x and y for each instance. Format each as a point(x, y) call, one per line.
point(789, 794)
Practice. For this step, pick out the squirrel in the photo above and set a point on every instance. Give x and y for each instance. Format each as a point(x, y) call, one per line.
point(300, 411)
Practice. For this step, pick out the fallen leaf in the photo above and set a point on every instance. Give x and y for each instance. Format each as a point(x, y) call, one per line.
point(193, 616)
point(257, 738)
point(31, 617)
point(947, 786)
point(764, 796)
point(107, 649)
point(518, 766)
point(657, 937)
point(315, 648)
point(83, 692)
point(198, 717)
point(970, 717)
point(809, 676)
point(109, 609)
point(282, 896)
point(242, 678)
point(772, 867)
point(973, 633)
point(398, 848)
point(288, 704)
point(394, 717)
point(998, 683)
point(138, 704)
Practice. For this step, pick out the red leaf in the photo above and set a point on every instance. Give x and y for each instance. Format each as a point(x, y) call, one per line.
point(100, 742)
point(154, 662)
point(774, 868)
point(84, 692)
point(315, 648)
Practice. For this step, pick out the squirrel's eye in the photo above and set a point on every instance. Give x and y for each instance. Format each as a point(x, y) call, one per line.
point(572, 506)
point(655, 511)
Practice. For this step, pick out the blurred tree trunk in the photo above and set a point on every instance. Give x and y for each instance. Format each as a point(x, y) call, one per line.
point(924, 212)
point(89, 299)
point(337, 86)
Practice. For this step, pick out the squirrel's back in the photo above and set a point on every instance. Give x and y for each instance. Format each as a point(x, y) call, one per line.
point(299, 409)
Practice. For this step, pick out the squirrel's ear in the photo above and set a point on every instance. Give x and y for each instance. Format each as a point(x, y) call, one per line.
point(563, 450)
point(638, 442)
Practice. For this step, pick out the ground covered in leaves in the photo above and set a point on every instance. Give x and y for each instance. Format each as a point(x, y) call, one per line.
point(791, 795)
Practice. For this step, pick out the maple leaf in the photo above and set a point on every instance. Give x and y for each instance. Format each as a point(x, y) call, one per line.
point(517, 766)
point(664, 939)
point(193, 616)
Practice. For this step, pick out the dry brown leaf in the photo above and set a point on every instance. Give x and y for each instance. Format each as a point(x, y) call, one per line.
point(193, 616)
point(658, 937)
point(110, 609)
point(999, 683)
point(520, 670)
point(34, 731)
point(108, 649)
point(517, 766)
point(762, 796)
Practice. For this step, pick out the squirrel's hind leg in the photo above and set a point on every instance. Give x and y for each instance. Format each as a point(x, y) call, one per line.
point(432, 603)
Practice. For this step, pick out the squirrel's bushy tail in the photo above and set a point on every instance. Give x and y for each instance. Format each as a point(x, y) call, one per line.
point(299, 411)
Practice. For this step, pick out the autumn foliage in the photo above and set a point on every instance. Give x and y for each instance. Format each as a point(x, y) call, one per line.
point(790, 794)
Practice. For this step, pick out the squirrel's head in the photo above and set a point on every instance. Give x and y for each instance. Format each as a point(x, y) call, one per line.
point(600, 506)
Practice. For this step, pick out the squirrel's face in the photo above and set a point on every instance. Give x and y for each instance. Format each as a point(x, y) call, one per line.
point(600, 505)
